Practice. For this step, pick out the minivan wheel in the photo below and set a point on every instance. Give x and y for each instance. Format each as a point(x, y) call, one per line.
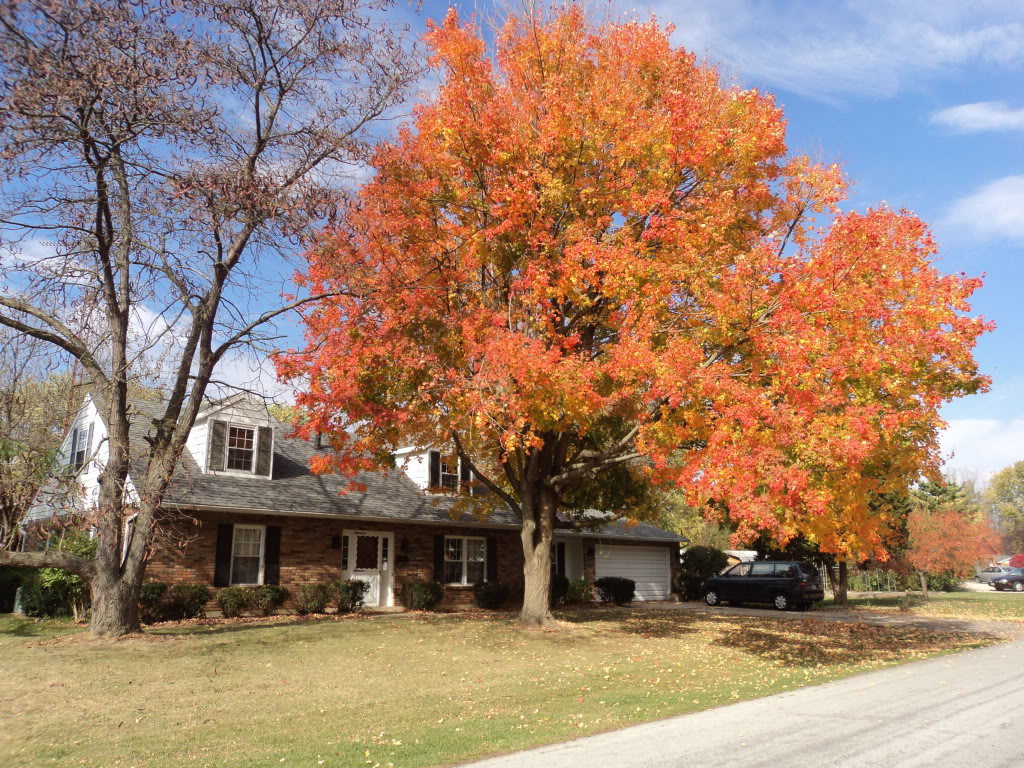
point(711, 597)
point(1018, 586)
point(781, 602)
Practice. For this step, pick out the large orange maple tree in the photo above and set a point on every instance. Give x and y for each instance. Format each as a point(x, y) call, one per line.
point(592, 269)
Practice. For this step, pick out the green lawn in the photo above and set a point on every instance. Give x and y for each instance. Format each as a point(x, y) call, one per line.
point(961, 605)
point(405, 691)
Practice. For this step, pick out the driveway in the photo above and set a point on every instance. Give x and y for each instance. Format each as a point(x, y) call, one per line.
point(957, 710)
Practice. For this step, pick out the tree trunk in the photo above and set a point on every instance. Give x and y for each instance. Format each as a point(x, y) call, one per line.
point(840, 588)
point(924, 584)
point(538, 535)
point(115, 608)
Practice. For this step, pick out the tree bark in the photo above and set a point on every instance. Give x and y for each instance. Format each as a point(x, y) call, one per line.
point(538, 535)
point(924, 584)
point(841, 588)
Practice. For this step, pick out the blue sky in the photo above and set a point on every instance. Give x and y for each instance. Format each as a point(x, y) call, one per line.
point(923, 104)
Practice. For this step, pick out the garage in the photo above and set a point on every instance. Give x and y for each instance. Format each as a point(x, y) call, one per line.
point(647, 566)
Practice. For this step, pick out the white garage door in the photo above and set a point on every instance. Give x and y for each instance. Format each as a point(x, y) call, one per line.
point(647, 566)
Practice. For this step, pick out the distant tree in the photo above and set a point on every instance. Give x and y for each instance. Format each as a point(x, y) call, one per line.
point(944, 540)
point(1004, 497)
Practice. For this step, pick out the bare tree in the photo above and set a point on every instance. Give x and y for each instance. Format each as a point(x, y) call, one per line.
point(161, 161)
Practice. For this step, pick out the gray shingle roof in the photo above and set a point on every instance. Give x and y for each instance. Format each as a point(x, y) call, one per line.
point(294, 489)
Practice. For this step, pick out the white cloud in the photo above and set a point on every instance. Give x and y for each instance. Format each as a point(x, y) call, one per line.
point(981, 116)
point(995, 210)
point(825, 50)
point(981, 447)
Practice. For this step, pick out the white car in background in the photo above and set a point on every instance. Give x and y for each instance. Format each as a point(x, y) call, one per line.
point(992, 573)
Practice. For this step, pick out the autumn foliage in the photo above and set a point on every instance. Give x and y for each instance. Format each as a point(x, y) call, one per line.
point(593, 267)
point(945, 541)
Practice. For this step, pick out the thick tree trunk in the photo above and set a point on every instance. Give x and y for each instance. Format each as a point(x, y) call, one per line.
point(924, 584)
point(115, 608)
point(841, 586)
point(538, 535)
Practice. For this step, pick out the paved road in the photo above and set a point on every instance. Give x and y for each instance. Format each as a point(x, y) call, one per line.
point(957, 711)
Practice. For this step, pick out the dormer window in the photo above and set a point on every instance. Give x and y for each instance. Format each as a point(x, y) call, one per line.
point(240, 448)
point(450, 471)
point(81, 442)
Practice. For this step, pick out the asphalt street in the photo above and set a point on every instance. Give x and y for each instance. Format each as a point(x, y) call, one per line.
point(962, 710)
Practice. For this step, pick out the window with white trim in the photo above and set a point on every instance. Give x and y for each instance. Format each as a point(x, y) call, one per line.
point(247, 554)
point(449, 471)
point(465, 560)
point(80, 439)
point(241, 445)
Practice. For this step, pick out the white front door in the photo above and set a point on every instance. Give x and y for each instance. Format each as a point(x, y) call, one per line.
point(367, 556)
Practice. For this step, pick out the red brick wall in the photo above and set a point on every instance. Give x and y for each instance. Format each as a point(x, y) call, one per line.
point(307, 556)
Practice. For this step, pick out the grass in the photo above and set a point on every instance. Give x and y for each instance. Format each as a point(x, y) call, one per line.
point(979, 606)
point(407, 691)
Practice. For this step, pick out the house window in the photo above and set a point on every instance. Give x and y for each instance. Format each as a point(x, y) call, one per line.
point(240, 448)
point(465, 560)
point(81, 437)
point(247, 555)
point(450, 471)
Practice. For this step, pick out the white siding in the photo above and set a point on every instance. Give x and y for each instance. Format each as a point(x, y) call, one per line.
point(196, 443)
point(89, 476)
point(416, 464)
point(573, 557)
point(647, 566)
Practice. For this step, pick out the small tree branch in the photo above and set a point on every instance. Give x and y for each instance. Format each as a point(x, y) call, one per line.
point(495, 489)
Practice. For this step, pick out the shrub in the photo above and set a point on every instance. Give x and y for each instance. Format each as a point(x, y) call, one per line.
point(313, 598)
point(699, 563)
point(53, 592)
point(559, 589)
point(614, 589)
point(580, 591)
point(188, 601)
point(350, 594)
point(264, 600)
point(490, 594)
point(152, 607)
point(233, 601)
point(418, 595)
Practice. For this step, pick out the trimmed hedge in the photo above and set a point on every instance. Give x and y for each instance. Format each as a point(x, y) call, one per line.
point(157, 602)
point(350, 594)
point(614, 589)
point(314, 598)
point(419, 595)
point(151, 602)
point(233, 601)
point(490, 594)
point(579, 591)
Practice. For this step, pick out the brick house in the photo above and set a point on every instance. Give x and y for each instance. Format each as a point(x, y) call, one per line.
point(253, 513)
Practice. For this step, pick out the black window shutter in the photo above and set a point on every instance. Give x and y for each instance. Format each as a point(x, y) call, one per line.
point(222, 569)
point(435, 469)
point(265, 446)
point(492, 558)
point(74, 447)
point(218, 433)
point(272, 556)
point(465, 476)
point(439, 558)
point(560, 558)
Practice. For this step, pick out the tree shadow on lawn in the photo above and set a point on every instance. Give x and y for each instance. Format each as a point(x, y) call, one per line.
point(654, 624)
point(810, 643)
point(18, 626)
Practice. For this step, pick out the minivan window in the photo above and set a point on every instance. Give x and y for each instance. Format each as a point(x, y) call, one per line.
point(743, 569)
point(762, 569)
point(785, 569)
